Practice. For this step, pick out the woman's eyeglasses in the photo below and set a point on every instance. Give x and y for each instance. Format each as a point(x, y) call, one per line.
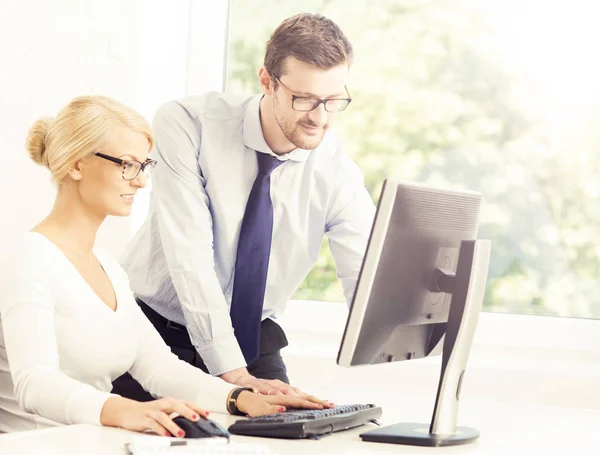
point(131, 168)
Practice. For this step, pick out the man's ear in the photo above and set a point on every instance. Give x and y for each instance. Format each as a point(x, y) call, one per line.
point(75, 170)
point(265, 81)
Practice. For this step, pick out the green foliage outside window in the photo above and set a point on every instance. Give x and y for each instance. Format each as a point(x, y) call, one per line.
point(439, 96)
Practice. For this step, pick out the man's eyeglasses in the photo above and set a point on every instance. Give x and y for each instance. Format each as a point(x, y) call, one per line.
point(307, 104)
point(131, 168)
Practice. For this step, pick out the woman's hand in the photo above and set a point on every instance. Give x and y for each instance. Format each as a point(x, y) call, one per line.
point(153, 415)
point(259, 405)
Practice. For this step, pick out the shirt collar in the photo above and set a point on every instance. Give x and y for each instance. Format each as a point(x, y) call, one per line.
point(254, 138)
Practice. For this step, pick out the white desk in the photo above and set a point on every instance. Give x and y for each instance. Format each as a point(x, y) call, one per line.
point(504, 430)
point(524, 400)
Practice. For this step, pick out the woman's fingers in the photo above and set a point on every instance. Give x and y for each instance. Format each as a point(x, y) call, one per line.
point(165, 422)
point(153, 425)
point(196, 409)
point(263, 408)
point(297, 402)
point(324, 403)
point(188, 410)
point(272, 404)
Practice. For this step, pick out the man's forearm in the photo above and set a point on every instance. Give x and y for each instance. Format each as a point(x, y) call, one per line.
point(237, 376)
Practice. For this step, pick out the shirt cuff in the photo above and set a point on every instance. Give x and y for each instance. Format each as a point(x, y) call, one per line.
point(222, 356)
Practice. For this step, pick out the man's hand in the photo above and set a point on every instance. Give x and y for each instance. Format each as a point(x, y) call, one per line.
point(242, 378)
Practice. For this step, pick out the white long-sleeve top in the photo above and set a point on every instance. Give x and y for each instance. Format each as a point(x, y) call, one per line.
point(61, 346)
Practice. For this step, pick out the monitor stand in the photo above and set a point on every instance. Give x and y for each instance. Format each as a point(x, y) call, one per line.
point(467, 287)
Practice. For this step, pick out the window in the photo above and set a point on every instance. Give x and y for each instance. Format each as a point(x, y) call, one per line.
point(498, 97)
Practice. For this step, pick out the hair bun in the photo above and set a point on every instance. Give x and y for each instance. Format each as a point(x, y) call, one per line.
point(36, 140)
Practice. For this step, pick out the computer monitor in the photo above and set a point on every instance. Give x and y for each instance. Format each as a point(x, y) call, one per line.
point(421, 287)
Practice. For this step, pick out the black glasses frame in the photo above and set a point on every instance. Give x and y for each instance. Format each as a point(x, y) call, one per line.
point(317, 100)
point(150, 164)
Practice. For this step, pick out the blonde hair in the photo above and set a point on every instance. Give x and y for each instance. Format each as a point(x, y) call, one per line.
point(78, 131)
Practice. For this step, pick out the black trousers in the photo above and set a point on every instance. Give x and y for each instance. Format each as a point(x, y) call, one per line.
point(269, 364)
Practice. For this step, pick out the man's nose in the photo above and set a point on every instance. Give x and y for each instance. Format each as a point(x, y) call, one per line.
point(318, 116)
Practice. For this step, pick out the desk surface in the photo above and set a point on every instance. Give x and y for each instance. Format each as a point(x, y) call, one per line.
point(504, 429)
point(513, 397)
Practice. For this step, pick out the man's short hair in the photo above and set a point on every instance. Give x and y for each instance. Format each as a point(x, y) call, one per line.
point(310, 38)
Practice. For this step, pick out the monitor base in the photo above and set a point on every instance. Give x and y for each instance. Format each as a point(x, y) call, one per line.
point(417, 434)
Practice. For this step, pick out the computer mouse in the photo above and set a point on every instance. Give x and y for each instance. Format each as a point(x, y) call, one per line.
point(202, 428)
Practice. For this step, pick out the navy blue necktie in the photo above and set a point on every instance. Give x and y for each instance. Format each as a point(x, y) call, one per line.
point(252, 261)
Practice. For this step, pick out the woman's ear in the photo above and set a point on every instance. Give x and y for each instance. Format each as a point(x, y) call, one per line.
point(75, 170)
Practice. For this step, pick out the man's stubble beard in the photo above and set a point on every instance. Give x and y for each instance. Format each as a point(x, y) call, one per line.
point(293, 131)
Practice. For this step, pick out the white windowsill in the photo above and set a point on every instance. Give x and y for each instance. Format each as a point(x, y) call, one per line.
point(530, 359)
point(326, 321)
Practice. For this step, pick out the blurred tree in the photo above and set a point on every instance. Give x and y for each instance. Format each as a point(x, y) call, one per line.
point(435, 99)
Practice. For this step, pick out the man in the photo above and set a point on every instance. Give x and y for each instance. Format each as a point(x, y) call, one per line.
point(244, 190)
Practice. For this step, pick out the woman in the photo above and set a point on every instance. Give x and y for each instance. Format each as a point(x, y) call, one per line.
point(69, 322)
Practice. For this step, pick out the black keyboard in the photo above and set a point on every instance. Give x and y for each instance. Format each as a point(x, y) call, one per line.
point(296, 424)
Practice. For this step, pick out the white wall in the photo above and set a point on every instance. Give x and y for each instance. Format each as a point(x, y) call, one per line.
point(136, 51)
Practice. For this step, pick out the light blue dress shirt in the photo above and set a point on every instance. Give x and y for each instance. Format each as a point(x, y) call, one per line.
point(182, 260)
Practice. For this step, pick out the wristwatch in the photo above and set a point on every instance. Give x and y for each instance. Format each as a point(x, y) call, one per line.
point(232, 400)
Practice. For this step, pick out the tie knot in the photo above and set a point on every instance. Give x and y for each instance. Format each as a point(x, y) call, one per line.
point(267, 163)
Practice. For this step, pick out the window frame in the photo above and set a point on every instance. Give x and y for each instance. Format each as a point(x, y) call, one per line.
point(500, 329)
